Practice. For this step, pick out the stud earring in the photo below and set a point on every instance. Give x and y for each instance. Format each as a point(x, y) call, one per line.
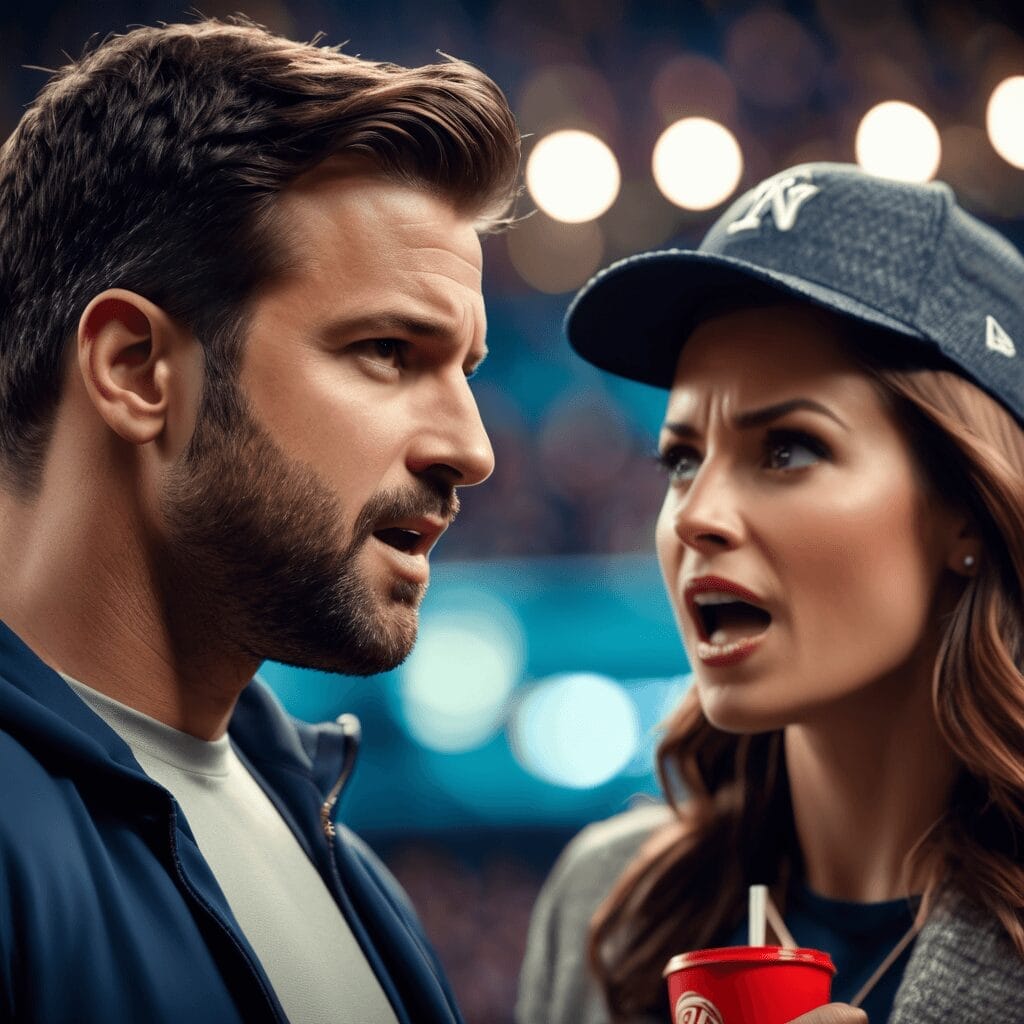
point(968, 561)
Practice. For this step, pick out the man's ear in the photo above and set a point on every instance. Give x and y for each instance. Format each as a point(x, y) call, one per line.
point(125, 344)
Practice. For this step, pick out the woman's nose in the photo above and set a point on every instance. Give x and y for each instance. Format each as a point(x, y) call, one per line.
point(708, 516)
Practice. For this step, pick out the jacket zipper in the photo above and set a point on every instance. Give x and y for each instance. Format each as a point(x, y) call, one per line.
point(353, 733)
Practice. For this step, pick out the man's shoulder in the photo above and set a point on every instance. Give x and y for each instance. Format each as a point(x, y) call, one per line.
point(37, 797)
point(25, 775)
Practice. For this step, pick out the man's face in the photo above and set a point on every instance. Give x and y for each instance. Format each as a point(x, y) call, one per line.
point(300, 520)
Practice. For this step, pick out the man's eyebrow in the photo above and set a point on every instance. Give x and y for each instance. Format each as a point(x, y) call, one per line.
point(383, 324)
point(759, 417)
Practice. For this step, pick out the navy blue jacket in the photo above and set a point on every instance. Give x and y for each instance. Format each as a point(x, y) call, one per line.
point(108, 911)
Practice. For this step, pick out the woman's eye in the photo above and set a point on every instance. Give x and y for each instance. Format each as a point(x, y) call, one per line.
point(793, 451)
point(680, 463)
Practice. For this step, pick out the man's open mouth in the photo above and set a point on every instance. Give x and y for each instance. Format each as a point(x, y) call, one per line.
point(412, 536)
point(396, 537)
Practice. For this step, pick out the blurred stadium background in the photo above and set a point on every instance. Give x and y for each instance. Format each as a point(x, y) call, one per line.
point(547, 653)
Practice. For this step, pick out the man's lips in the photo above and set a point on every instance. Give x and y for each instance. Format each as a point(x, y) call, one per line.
point(414, 535)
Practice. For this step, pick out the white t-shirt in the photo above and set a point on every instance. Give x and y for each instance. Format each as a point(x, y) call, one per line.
point(285, 910)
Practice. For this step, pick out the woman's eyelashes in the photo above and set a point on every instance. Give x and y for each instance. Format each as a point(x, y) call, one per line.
point(681, 462)
point(793, 449)
point(783, 451)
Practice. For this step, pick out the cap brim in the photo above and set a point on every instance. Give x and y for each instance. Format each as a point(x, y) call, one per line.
point(632, 318)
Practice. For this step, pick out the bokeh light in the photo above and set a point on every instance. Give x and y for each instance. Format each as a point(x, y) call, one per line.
point(656, 699)
point(1004, 118)
point(984, 182)
point(773, 58)
point(558, 96)
point(456, 684)
point(642, 218)
point(691, 84)
point(555, 257)
point(697, 163)
point(577, 730)
point(572, 176)
point(898, 140)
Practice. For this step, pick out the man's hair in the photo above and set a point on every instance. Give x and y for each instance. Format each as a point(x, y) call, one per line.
point(153, 162)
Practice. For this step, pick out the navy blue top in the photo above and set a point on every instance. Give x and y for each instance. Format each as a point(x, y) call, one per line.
point(108, 909)
point(858, 937)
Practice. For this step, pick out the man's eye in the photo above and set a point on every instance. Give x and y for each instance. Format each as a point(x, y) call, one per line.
point(680, 462)
point(384, 350)
point(793, 451)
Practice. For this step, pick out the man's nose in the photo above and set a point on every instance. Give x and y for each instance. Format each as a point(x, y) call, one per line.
point(453, 443)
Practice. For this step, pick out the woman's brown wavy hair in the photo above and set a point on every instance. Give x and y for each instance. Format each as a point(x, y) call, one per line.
point(733, 826)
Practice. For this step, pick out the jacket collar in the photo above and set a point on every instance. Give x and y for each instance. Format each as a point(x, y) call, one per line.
point(47, 716)
point(268, 735)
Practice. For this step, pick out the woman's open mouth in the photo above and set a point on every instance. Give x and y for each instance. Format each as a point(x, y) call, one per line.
point(730, 619)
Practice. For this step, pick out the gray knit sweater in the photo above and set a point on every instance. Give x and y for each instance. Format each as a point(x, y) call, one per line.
point(963, 968)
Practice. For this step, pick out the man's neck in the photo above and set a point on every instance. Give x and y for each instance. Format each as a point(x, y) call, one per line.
point(78, 589)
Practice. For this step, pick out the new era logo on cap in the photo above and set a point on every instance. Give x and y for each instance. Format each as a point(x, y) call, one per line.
point(997, 339)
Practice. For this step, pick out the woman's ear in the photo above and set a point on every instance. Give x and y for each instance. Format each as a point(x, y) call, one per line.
point(965, 551)
point(124, 347)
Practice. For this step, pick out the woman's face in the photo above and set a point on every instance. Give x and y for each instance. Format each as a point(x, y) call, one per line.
point(801, 552)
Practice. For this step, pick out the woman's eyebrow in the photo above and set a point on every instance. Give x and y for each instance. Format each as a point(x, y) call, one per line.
point(759, 417)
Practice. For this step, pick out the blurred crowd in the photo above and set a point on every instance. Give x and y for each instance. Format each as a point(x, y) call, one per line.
point(476, 910)
point(582, 479)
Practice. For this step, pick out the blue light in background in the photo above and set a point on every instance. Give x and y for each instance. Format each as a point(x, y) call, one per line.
point(454, 688)
point(578, 730)
point(655, 700)
point(438, 750)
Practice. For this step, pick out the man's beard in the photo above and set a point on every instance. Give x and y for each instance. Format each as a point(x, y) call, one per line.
point(254, 556)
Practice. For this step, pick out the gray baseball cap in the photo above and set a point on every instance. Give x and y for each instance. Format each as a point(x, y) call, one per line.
point(893, 255)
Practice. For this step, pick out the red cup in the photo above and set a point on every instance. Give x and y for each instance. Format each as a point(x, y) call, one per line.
point(747, 984)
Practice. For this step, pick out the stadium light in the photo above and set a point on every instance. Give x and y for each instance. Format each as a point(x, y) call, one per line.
point(576, 730)
point(697, 163)
point(1004, 119)
point(898, 140)
point(572, 176)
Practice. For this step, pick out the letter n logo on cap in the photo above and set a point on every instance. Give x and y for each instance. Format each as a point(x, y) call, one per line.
point(782, 198)
point(997, 339)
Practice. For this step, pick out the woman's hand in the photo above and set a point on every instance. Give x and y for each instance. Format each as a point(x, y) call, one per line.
point(834, 1013)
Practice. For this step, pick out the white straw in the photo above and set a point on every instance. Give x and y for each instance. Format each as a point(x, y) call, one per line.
point(779, 926)
point(757, 916)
